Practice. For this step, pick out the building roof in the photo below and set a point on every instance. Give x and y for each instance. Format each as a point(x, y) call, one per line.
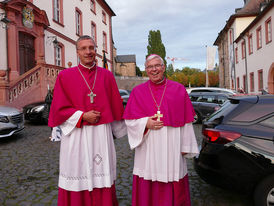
point(266, 9)
point(251, 8)
point(108, 7)
point(126, 58)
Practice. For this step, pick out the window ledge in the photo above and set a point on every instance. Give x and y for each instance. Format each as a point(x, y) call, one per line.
point(93, 11)
point(59, 23)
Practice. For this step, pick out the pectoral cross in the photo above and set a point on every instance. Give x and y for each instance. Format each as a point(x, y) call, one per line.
point(91, 95)
point(158, 115)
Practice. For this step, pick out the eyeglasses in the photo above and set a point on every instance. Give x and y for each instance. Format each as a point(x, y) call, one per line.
point(91, 48)
point(157, 66)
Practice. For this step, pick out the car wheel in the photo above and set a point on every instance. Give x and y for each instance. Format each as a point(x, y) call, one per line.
point(45, 115)
point(45, 121)
point(197, 118)
point(264, 192)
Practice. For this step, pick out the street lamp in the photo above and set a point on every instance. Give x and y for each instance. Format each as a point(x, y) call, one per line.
point(4, 20)
point(53, 39)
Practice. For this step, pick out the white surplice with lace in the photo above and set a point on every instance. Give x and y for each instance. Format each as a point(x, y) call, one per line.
point(158, 153)
point(87, 154)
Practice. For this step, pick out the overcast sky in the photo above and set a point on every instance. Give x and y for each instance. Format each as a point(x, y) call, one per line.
point(186, 26)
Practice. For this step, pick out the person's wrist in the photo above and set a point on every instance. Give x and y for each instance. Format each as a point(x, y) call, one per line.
point(84, 116)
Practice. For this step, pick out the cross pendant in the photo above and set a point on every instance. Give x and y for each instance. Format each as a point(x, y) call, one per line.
point(158, 115)
point(91, 95)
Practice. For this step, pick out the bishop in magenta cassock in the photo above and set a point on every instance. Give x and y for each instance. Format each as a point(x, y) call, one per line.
point(88, 108)
point(159, 117)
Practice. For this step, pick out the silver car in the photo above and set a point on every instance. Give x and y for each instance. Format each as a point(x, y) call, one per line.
point(124, 95)
point(211, 89)
point(11, 121)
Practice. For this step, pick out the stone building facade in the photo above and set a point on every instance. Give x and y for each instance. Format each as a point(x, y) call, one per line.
point(224, 79)
point(244, 65)
point(125, 65)
point(37, 41)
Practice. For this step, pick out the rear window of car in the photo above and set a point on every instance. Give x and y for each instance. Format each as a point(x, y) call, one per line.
point(201, 90)
point(253, 113)
point(268, 122)
point(221, 99)
point(244, 112)
point(226, 108)
point(193, 98)
point(206, 98)
point(211, 90)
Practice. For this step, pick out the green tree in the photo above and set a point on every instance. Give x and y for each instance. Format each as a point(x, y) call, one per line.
point(155, 45)
point(190, 71)
point(170, 70)
point(138, 72)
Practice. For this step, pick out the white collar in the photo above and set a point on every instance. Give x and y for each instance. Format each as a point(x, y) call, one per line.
point(88, 67)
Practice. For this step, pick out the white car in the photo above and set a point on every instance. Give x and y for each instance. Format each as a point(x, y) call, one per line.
point(11, 121)
point(211, 89)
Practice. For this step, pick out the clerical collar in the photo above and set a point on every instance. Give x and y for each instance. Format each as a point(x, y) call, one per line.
point(88, 67)
point(159, 83)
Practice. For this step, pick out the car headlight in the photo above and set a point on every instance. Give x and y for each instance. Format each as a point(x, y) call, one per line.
point(4, 119)
point(38, 108)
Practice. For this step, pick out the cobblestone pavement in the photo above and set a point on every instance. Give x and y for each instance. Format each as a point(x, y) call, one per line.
point(29, 173)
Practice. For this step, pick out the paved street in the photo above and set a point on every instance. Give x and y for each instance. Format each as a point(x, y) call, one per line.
point(29, 173)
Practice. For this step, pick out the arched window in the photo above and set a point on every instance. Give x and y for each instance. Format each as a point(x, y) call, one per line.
point(59, 55)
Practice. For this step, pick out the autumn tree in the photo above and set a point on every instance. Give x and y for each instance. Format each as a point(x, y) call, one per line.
point(200, 79)
point(144, 73)
point(190, 71)
point(194, 77)
point(213, 78)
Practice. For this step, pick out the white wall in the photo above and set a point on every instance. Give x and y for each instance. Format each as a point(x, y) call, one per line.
point(70, 50)
point(237, 27)
point(69, 28)
point(241, 23)
point(260, 59)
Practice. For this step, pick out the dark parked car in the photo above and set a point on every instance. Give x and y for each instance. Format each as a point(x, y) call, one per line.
point(36, 112)
point(11, 121)
point(238, 148)
point(205, 103)
point(39, 112)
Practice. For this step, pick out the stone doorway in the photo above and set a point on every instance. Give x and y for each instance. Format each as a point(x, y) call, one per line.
point(271, 79)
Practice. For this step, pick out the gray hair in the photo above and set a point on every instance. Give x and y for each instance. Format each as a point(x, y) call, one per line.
point(83, 38)
point(153, 56)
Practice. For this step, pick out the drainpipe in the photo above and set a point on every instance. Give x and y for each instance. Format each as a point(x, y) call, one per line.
point(206, 69)
point(223, 62)
point(246, 77)
point(234, 60)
